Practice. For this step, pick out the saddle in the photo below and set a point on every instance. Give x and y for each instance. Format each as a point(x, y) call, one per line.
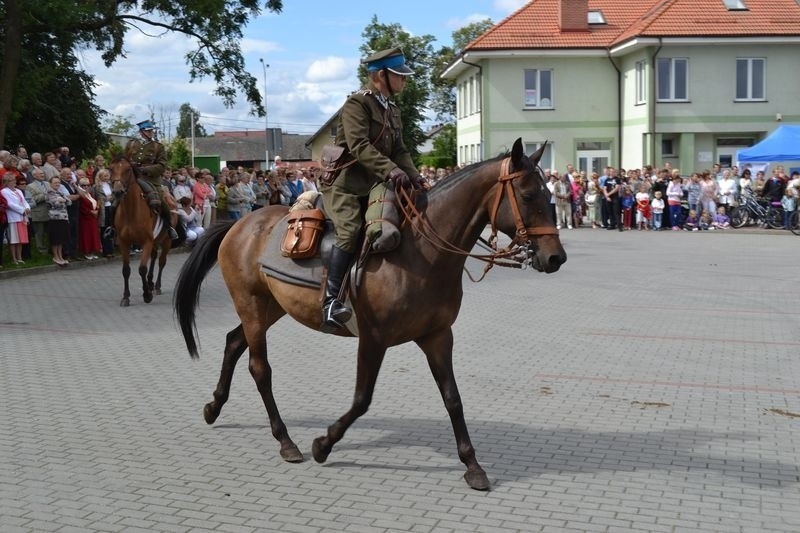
point(306, 272)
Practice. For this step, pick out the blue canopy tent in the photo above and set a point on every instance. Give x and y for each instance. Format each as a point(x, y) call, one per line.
point(783, 144)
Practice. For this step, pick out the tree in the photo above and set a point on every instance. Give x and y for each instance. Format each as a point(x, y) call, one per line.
point(216, 26)
point(119, 125)
point(443, 98)
point(54, 105)
point(184, 130)
point(179, 153)
point(445, 148)
point(419, 57)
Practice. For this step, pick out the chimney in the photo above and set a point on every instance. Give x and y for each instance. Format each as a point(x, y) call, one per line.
point(573, 15)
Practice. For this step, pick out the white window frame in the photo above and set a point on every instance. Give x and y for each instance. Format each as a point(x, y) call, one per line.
point(641, 82)
point(547, 157)
point(531, 96)
point(750, 87)
point(671, 96)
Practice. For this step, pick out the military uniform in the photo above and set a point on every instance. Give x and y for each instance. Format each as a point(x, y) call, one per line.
point(371, 129)
point(151, 158)
point(364, 116)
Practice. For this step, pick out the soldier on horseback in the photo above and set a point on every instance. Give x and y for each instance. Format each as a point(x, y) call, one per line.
point(151, 159)
point(371, 129)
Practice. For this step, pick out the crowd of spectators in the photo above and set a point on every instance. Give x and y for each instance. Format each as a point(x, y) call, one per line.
point(665, 199)
point(50, 202)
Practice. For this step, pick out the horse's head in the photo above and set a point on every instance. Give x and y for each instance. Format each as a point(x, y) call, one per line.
point(521, 209)
point(123, 174)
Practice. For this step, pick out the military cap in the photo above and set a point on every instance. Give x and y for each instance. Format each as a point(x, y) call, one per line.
point(146, 125)
point(391, 59)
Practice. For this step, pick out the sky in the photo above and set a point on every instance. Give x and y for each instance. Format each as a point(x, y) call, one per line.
point(311, 49)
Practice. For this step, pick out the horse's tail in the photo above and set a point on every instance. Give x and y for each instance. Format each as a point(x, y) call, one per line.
point(187, 289)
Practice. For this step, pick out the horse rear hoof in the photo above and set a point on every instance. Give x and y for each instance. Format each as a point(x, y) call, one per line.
point(291, 454)
point(148, 297)
point(209, 415)
point(157, 292)
point(125, 302)
point(477, 480)
point(318, 450)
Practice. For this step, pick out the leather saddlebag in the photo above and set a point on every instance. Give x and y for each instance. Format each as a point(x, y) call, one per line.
point(305, 227)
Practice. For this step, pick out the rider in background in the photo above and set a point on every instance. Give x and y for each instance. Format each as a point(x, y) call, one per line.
point(151, 158)
point(371, 129)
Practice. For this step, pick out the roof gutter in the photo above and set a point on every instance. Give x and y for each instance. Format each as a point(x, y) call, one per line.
point(651, 115)
point(480, 80)
point(619, 109)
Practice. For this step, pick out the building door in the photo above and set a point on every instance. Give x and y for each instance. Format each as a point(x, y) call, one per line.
point(593, 161)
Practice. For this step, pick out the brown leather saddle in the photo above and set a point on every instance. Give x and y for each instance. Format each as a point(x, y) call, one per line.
point(302, 272)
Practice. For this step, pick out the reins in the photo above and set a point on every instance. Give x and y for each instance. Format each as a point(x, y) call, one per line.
point(518, 254)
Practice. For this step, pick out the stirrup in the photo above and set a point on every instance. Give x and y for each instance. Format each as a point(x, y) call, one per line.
point(334, 316)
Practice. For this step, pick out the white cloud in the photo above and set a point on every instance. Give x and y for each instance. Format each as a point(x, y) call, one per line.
point(507, 6)
point(330, 69)
point(258, 46)
point(460, 22)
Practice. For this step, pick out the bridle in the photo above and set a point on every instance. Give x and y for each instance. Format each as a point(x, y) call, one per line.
point(518, 254)
point(124, 186)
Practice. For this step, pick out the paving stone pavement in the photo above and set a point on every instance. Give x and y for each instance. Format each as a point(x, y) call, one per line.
point(652, 384)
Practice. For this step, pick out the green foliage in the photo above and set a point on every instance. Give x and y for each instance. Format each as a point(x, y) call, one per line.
point(119, 125)
point(184, 129)
point(179, 153)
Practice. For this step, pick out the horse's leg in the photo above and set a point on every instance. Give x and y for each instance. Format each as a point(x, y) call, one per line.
point(370, 357)
point(147, 291)
point(235, 345)
point(438, 348)
point(256, 319)
point(162, 260)
point(151, 268)
point(125, 250)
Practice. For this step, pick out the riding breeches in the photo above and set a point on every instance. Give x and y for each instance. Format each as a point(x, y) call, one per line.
point(345, 211)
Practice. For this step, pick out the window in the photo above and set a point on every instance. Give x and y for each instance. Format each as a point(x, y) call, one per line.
point(672, 79)
point(641, 82)
point(735, 5)
point(547, 157)
point(596, 17)
point(668, 147)
point(538, 88)
point(750, 79)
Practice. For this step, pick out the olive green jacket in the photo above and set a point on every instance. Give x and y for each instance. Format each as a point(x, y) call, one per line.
point(360, 123)
point(151, 157)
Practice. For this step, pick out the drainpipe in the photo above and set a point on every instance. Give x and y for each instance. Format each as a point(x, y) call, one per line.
point(651, 118)
point(480, 80)
point(619, 109)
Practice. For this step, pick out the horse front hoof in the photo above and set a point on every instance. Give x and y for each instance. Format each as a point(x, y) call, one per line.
point(477, 480)
point(291, 454)
point(125, 302)
point(210, 414)
point(318, 450)
point(148, 297)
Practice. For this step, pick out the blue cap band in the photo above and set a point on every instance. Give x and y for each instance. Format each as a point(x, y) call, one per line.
point(386, 62)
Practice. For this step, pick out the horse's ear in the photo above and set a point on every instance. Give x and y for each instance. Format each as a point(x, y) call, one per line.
point(517, 152)
point(537, 155)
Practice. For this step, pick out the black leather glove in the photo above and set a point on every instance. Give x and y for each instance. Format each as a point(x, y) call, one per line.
point(399, 178)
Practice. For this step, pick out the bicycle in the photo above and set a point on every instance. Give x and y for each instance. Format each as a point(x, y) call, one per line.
point(751, 210)
point(794, 223)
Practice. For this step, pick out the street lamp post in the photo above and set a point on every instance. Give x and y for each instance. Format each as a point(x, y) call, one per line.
point(264, 67)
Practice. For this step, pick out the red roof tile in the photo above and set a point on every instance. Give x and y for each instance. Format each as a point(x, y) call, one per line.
point(536, 25)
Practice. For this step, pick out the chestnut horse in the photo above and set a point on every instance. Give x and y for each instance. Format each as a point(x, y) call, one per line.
point(137, 223)
point(392, 302)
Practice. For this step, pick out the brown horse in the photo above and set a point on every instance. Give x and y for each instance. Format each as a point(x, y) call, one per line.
point(137, 223)
point(393, 301)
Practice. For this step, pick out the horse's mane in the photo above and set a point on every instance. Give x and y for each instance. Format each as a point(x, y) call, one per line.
point(455, 179)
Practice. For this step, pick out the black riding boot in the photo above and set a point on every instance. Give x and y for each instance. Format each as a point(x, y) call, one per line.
point(334, 312)
point(167, 218)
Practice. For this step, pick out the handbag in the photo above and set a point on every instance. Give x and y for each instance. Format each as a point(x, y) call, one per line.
point(303, 233)
point(332, 163)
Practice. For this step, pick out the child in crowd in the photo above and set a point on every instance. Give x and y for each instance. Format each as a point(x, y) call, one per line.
point(706, 220)
point(626, 206)
point(658, 210)
point(721, 220)
point(691, 223)
point(789, 204)
point(642, 208)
